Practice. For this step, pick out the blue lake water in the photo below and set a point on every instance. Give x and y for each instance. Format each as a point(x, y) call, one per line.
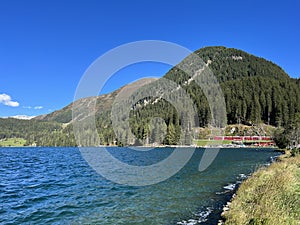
point(56, 186)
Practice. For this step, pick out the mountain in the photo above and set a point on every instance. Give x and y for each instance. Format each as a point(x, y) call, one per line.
point(104, 103)
point(255, 91)
point(22, 117)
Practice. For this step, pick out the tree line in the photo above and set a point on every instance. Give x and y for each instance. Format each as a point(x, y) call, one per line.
point(255, 91)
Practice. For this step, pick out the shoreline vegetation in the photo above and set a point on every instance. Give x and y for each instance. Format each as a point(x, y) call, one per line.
point(261, 100)
point(235, 136)
point(19, 142)
point(271, 195)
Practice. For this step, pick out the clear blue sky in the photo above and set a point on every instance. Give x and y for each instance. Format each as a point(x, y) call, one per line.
point(45, 46)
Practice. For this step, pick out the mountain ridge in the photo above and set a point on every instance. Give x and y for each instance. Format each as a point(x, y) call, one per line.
point(209, 57)
point(255, 91)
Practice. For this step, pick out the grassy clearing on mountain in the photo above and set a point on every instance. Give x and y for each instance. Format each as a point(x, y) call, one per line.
point(203, 143)
point(15, 142)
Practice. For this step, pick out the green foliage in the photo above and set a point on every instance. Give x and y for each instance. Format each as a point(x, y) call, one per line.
point(294, 131)
point(258, 99)
point(35, 132)
point(295, 151)
point(233, 64)
point(290, 135)
point(171, 138)
point(61, 116)
point(281, 139)
point(255, 91)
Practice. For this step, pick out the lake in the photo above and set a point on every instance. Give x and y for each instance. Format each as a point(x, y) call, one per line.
point(57, 186)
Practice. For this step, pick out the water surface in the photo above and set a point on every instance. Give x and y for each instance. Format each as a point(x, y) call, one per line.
point(56, 186)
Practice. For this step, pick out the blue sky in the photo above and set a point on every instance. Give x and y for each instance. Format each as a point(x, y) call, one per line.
point(45, 46)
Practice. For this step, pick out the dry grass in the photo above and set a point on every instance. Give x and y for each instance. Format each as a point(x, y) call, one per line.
point(270, 196)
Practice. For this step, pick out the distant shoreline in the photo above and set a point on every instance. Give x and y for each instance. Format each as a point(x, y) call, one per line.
point(161, 146)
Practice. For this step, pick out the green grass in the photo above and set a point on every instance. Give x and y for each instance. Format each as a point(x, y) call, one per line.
point(256, 141)
point(14, 142)
point(270, 196)
point(210, 142)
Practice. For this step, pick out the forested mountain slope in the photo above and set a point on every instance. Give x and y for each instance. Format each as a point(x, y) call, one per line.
point(255, 90)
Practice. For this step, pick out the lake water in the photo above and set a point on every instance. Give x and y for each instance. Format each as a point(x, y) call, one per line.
point(56, 186)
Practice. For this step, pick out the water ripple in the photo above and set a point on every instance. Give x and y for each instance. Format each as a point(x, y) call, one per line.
point(56, 186)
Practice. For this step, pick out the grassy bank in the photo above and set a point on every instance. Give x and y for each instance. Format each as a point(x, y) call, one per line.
point(270, 196)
